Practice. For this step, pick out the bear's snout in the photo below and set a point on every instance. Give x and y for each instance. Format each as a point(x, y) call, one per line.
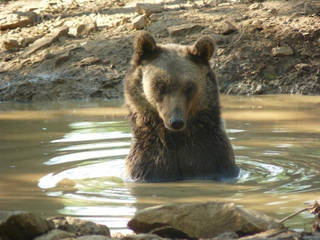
point(176, 120)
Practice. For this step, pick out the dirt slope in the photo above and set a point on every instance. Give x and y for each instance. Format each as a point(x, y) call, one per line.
point(80, 49)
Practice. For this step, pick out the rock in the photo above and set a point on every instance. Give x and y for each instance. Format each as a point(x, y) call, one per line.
point(55, 234)
point(139, 22)
point(184, 29)
point(255, 6)
point(169, 232)
point(76, 31)
point(202, 220)
point(89, 61)
point(159, 29)
point(211, 3)
point(221, 40)
point(228, 28)
point(148, 8)
point(276, 234)
point(282, 51)
point(9, 44)
point(62, 58)
point(80, 227)
point(28, 40)
point(142, 236)
point(224, 4)
point(90, 27)
point(93, 237)
point(18, 19)
point(83, 29)
point(272, 11)
point(310, 8)
point(227, 235)
point(46, 40)
point(258, 24)
point(17, 225)
point(302, 67)
point(155, 17)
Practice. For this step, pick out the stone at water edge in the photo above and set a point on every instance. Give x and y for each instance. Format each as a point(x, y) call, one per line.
point(203, 220)
point(17, 225)
point(93, 237)
point(80, 227)
point(141, 236)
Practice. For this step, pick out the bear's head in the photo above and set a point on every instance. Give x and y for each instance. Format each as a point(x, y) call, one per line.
point(170, 80)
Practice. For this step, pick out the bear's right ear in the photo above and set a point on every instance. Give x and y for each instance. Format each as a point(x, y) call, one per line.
point(144, 46)
point(203, 48)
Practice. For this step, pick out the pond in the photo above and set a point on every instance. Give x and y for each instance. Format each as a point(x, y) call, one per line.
point(67, 158)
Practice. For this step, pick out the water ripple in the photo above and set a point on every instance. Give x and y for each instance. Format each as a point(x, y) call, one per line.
point(91, 181)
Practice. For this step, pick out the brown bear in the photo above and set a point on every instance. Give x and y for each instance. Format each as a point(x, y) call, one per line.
point(173, 101)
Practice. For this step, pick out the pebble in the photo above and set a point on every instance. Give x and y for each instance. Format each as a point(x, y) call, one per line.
point(139, 22)
point(228, 28)
point(9, 44)
point(148, 9)
point(184, 29)
point(17, 19)
point(282, 51)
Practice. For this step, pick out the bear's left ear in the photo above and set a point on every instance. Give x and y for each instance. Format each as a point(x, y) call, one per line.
point(144, 46)
point(203, 48)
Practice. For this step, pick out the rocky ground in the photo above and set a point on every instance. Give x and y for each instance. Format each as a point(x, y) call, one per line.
point(80, 49)
point(211, 220)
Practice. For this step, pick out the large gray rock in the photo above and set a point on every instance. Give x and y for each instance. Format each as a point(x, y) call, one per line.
point(80, 227)
point(17, 225)
point(202, 220)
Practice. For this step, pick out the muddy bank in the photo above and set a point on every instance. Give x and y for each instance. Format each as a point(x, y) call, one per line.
point(80, 49)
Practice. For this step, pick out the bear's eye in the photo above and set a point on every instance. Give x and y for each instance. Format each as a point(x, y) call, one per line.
point(190, 89)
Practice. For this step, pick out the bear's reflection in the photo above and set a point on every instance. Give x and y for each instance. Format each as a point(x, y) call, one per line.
point(151, 194)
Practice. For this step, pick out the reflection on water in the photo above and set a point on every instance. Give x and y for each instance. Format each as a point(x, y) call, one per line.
point(69, 159)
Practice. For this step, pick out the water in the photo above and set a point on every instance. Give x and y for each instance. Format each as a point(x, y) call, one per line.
point(68, 159)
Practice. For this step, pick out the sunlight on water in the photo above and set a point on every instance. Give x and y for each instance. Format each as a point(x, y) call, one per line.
point(104, 169)
point(80, 136)
point(78, 160)
point(73, 157)
point(95, 146)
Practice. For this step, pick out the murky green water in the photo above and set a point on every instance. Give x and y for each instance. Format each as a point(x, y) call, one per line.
point(68, 158)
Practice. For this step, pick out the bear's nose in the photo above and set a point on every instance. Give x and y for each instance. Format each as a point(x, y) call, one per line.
point(176, 123)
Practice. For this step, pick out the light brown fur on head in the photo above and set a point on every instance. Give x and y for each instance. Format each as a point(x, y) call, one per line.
point(170, 79)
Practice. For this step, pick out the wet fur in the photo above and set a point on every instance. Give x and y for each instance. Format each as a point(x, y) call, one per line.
point(202, 150)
